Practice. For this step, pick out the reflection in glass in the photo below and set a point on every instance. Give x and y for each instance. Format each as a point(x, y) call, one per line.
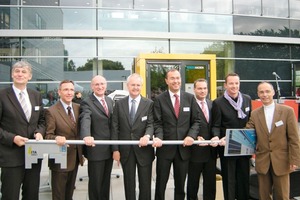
point(261, 50)
point(117, 48)
point(247, 7)
point(200, 23)
point(133, 20)
point(278, 8)
point(9, 18)
point(40, 3)
point(83, 3)
point(294, 9)
point(9, 47)
point(295, 51)
point(261, 26)
point(187, 5)
point(295, 28)
point(9, 2)
point(116, 3)
point(217, 6)
point(56, 18)
point(151, 4)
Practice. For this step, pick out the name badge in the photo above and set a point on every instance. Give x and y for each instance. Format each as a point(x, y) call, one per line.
point(36, 108)
point(247, 109)
point(279, 123)
point(144, 118)
point(186, 109)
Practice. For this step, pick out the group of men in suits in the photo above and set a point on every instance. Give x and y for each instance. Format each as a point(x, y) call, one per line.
point(174, 115)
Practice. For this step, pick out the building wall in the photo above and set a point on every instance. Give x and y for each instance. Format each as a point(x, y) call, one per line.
point(61, 38)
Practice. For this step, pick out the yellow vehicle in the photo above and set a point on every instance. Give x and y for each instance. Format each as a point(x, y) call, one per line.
point(153, 67)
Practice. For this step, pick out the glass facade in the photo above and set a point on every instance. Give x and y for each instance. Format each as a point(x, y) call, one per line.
point(77, 39)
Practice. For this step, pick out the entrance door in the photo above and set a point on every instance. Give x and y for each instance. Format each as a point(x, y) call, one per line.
point(189, 70)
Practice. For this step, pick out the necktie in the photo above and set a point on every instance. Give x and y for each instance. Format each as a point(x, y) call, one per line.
point(176, 105)
point(24, 105)
point(71, 116)
point(132, 111)
point(204, 110)
point(104, 106)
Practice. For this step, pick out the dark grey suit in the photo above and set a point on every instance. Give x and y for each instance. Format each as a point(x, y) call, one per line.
point(94, 122)
point(132, 156)
point(203, 161)
point(12, 158)
point(168, 127)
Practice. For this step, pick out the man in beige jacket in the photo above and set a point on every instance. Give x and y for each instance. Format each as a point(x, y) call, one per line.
point(277, 149)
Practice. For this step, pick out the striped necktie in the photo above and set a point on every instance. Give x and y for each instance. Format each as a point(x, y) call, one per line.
point(24, 105)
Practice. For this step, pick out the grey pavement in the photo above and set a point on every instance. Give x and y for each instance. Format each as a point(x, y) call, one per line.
point(117, 189)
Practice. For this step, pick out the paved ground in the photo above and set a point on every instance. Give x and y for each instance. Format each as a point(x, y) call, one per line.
point(117, 189)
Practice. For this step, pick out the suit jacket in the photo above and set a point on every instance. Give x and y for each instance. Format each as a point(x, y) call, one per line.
point(280, 147)
point(225, 116)
point(204, 153)
point(13, 122)
point(168, 127)
point(94, 122)
point(58, 123)
point(142, 125)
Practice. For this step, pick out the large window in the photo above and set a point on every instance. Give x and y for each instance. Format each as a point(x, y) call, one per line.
point(247, 7)
point(278, 8)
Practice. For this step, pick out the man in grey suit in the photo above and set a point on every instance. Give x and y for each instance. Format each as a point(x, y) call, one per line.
point(133, 120)
point(95, 124)
point(62, 125)
point(21, 118)
point(176, 117)
point(203, 159)
point(277, 148)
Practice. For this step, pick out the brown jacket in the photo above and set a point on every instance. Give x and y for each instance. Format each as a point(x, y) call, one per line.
point(280, 147)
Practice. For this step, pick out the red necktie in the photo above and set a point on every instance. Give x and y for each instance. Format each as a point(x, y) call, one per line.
point(204, 110)
point(104, 106)
point(176, 105)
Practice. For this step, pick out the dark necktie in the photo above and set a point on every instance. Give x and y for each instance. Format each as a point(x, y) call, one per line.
point(24, 105)
point(132, 111)
point(71, 116)
point(204, 110)
point(104, 106)
point(176, 105)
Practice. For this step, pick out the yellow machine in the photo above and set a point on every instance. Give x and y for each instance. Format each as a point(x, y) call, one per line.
point(153, 67)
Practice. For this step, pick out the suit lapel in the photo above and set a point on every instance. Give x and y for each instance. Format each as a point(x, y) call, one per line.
point(63, 114)
point(98, 104)
point(262, 119)
point(276, 117)
point(125, 107)
point(12, 97)
point(141, 107)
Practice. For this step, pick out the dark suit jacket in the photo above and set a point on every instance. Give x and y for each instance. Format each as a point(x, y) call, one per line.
point(94, 122)
point(168, 127)
point(280, 147)
point(13, 122)
point(204, 153)
point(225, 116)
point(123, 130)
point(58, 123)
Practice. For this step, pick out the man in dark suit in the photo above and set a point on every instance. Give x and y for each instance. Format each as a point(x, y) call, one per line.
point(176, 117)
point(203, 159)
point(95, 124)
point(21, 118)
point(62, 125)
point(232, 110)
point(277, 149)
point(133, 120)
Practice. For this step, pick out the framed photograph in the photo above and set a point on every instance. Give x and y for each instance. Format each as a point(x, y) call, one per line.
point(240, 142)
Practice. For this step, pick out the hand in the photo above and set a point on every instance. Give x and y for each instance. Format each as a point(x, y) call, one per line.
point(20, 141)
point(116, 157)
point(38, 136)
point(201, 139)
point(157, 142)
point(293, 167)
point(60, 140)
point(89, 141)
point(222, 141)
point(144, 141)
point(213, 141)
point(188, 141)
